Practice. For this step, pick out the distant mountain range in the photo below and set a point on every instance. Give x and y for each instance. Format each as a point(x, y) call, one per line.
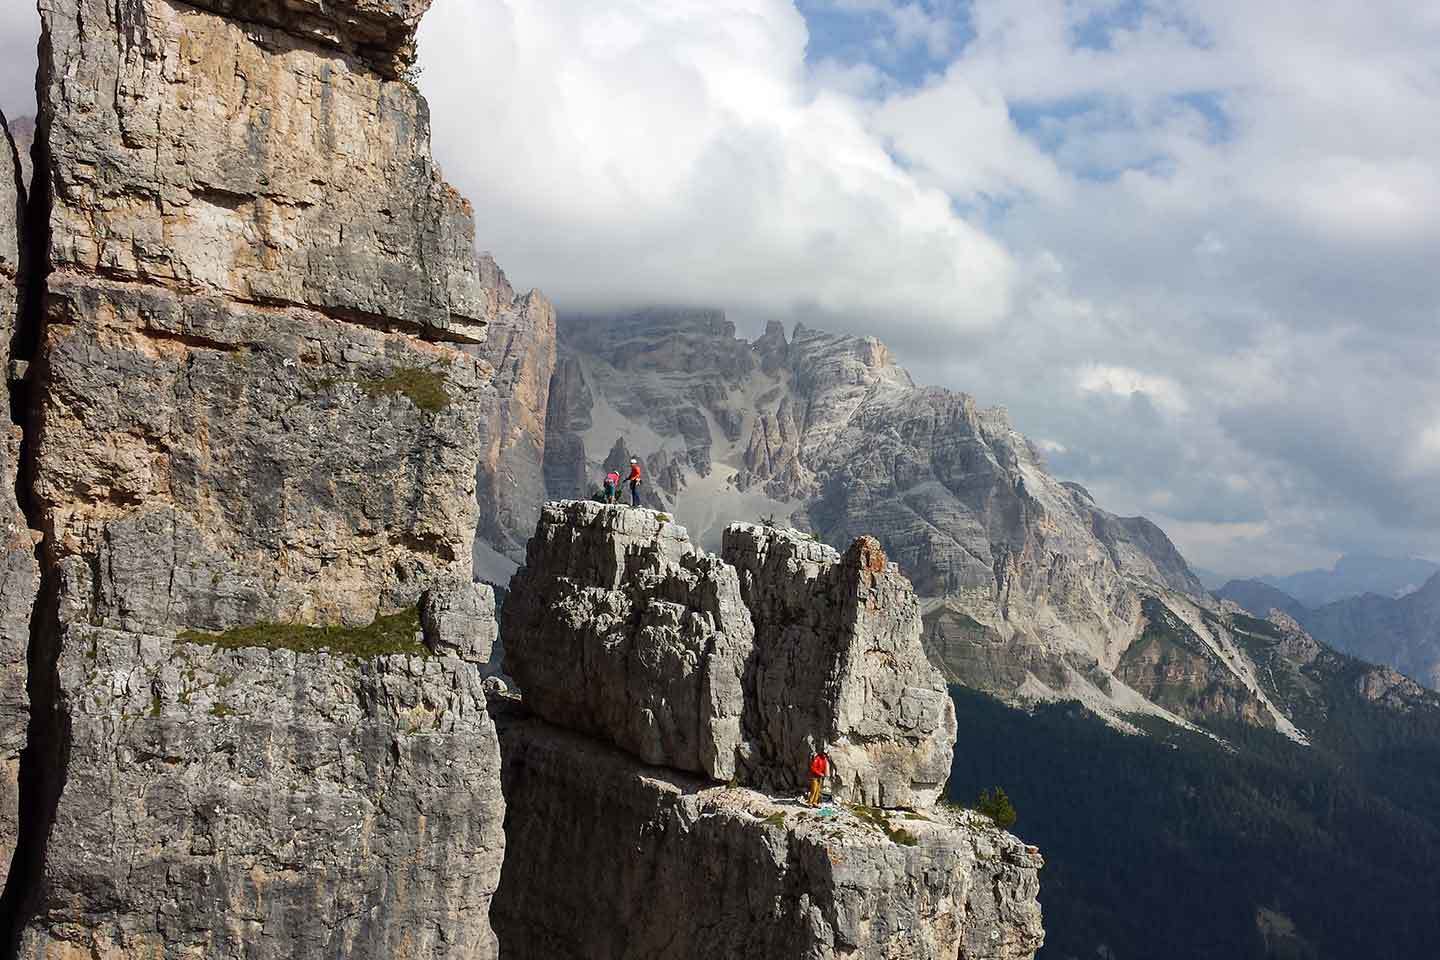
point(1354, 575)
point(1402, 632)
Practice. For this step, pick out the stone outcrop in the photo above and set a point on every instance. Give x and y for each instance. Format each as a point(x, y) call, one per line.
point(839, 662)
point(266, 803)
point(457, 618)
point(251, 436)
point(619, 627)
point(612, 860)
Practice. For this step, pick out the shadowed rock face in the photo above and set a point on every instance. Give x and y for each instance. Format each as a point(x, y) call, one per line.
point(19, 572)
point(619, 627)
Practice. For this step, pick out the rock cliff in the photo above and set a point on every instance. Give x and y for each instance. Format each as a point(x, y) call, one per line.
point(652, 673)
point(510, 485)
point(250, 382)
point(609, 859)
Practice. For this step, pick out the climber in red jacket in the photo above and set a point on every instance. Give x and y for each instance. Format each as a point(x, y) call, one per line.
point(819, 770)
point(634, 481)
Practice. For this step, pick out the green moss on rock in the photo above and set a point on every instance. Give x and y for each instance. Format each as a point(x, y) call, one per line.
point(424, 388)
point(391, 634)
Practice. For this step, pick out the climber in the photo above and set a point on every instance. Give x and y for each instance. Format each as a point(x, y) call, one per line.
point(819, 770)
point(612, 486)
point(634, 481)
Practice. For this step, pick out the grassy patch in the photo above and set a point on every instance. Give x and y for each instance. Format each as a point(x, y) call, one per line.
point(221, 710)
point(392, 634)
point(776, 819)
point(880, 820)
point(424, 388)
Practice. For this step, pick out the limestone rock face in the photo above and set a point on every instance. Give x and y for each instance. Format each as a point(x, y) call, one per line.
point(19, 571)
point(458, 619)
point(235, 159)
point(270, 804)
point(839, 662)
point(510, 485)
point(618, 627)
point(246, 414)
point(612, 860)
point(253, 400)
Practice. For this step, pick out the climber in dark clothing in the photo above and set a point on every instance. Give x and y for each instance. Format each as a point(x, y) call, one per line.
point(634, 481)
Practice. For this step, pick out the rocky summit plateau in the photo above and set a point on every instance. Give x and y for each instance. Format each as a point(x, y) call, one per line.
point(253, 702)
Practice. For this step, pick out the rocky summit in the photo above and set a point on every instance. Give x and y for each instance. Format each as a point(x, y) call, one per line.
point(253, 702)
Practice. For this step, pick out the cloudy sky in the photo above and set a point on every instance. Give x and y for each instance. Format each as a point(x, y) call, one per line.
point(1192, 245)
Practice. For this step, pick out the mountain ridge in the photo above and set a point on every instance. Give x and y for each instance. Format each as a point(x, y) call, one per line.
point(1030, 590)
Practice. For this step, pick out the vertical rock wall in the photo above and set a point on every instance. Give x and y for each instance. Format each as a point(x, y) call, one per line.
point(248, 412)
point(262, 803)
point(251, 405)
point(510, 485)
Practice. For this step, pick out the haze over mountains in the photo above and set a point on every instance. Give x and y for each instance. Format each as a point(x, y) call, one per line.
point(1353, 575)
point(1399, 631)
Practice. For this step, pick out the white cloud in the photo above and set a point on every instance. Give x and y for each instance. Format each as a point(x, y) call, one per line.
point(678, 150)
point(19, 34)
point(1125, 382)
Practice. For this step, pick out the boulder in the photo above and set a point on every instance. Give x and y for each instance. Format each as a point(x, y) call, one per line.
point(458, 619)
point(839, 663)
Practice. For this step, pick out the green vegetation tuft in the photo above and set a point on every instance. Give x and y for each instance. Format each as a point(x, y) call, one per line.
point(776, 819)
point(424, 388)
point(997, 806)
point(392, 634)
point(221, 710)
